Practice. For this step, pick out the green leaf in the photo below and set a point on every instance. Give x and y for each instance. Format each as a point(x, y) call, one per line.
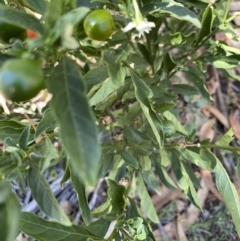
point(114, 97)
point(164, 158)
point(185, 89)
point(66, 176)
point(225, 63)
point(48, 152)
point(163, 174)
point(37, 6)
point(192, 175)
point(176, 10)
point(207, 22)
point(132, 113)
point(169, 116)
point(199, 83)
point(201, 160)
point(107, 88)
point(113, 60)
point(230, 74)
point(146, 202)
point(135, 212)
point(184, 181)
point(129, 159)
point(143, 94)
point(11, 129)
point(24, 138)
point(48, 122)
point(24, 20)
point(77, 123)
point(116, 193)
point(82, 197)
point(99, 227)
point(151, 180)
point(41, 229)
point(9, 213)
point(102, 209)
point(95, 76)
point(225, 140)
point(228, 192)
point(65, 25)
point(168, 64)
point(208, 157)
point(43, 195)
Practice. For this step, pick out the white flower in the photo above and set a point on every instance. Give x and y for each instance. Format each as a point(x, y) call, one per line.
point(140, 23)
point(142, 26)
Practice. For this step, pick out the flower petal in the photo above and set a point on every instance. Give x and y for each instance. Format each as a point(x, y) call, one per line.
point(130, 26)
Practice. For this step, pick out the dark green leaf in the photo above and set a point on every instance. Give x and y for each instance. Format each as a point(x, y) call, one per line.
point(152, 182)
point(169, 116)
point(24, 20)
point(66, 176)
point(132, 113)
point(208, 157)
point(146, 202)
point(82, 197)
point(116, 193)
point(47, 122)
point(44, 230)
point(9, 213)
point(168, 64)
point(135, 212)
point(95, 76)
point(114, 97)
point(129, 159)
point(38, 6)
point(185, 89)
point(116, 71)
point(102, 209)
point(99, 227)
point(143, 94)
point(24, 138)
point(77, 124)
point(207, 22)
point(48, 152)
point(43, 195)
point(184, 181)
point(175, 9)
point(192, 175)
point(162, 173)
point(107, 88)
point(12, 129)
point(197, 159)
point(199, 83)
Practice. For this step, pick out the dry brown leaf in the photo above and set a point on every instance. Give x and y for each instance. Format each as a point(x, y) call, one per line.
point(206, 131)
point(234, 119)
point(180, 231)
point(223, 119)
point(165, 197)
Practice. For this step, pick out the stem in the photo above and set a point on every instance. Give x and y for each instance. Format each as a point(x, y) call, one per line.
point(138, 14)
point(185, 145)
point(233, 149)
point(226, 10)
